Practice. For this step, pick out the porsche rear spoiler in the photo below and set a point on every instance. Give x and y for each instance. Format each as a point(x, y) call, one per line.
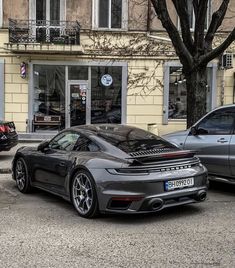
point(164, 155)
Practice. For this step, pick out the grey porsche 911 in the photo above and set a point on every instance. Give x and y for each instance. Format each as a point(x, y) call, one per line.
point(112, 168)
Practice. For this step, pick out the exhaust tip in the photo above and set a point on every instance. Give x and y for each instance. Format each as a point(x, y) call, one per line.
point(155, 204)
point(201, 196)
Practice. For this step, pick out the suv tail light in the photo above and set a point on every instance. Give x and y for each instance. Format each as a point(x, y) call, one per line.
point(4, 129)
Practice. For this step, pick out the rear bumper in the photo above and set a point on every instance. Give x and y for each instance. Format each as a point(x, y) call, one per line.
point(160, 202)
point(145, 194)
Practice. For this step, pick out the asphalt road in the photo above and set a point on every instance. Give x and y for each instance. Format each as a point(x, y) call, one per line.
point(41, 230)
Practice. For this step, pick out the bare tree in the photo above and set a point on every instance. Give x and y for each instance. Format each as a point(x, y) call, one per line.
point(194, 51)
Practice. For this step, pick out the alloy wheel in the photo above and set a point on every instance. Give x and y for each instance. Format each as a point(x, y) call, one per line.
point(20, 174)
point(82, 193)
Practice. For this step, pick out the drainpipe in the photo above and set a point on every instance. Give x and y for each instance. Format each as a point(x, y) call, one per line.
point(149, 26)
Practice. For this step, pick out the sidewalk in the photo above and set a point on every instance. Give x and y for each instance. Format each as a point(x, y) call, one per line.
point(6, 157)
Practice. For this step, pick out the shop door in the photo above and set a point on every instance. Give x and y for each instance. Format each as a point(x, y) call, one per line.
point(77, 103)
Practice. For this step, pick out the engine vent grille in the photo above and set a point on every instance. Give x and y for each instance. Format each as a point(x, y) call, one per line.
point(152, 152)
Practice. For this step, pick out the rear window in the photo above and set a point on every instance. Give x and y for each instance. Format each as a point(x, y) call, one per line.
point(132, 140)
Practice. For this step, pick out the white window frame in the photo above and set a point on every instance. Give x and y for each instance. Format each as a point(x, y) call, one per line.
point(95, 17)
point(208, 18)
point(213, 85)
point(32, 13)
point(32, 10)
point(1, 13)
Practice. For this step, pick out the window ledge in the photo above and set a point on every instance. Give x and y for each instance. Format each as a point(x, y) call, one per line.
point(109, 29)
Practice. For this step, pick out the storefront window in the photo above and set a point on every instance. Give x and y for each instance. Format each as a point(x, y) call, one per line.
point(177, 94)
point(177, 108)
point(49, 97)
point(175, 91)
point(78, 72)
point(106, 94)
point(91, 94)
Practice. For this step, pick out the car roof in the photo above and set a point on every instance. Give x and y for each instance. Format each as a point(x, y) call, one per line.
point(94, 129)
point(224, 106)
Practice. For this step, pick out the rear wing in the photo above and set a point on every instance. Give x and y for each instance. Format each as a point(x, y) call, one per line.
point(164, 155)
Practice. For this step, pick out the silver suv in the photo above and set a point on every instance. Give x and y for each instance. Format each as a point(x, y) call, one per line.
point(213, 137)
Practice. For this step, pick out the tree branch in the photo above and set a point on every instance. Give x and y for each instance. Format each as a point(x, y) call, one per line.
point(203, 60)
point(196, 7)
point(181, 50)
point(217, 19)
point(200, 18)
point(182, 11)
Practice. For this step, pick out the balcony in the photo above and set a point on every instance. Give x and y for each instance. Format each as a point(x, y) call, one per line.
point(44, 36)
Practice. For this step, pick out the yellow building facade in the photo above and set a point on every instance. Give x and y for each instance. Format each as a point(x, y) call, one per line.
point(122, 72)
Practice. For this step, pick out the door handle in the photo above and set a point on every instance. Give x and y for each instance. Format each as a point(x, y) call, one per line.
point(222, 140)
point(62, 164)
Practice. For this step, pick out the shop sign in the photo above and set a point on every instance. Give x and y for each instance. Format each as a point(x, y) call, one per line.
point(23, 70)
point(106, 80)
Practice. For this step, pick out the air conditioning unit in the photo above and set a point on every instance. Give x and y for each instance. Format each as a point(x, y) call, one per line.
point(227, 60)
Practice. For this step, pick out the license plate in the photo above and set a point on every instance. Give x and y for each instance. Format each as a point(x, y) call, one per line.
point(179, 184)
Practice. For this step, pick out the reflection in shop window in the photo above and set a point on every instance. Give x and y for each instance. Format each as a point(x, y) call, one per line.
point(177, 94)
point(49, 97)
point(177, 107)
point(106, 94)
point(78, 72)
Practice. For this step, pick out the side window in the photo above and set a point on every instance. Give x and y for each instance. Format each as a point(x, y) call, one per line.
point(83, 145)
point(64, 141)
point(219, 122)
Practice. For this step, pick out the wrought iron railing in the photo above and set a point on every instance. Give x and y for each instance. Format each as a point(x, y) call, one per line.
point(44, 31)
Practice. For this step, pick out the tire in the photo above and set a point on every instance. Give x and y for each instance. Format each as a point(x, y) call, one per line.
point(83, 194)
point(22, 176)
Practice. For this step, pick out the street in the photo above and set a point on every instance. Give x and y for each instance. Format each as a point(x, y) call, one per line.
point(42, 230)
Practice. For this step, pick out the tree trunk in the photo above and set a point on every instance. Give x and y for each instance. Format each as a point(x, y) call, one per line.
point(196, 83)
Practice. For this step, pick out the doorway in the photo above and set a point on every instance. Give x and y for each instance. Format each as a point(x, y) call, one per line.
point(77, 103)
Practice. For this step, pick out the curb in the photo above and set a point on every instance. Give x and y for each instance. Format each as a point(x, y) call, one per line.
point(5, 171)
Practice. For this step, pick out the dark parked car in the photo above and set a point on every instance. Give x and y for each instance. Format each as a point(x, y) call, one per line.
point(112, 168)
point(213, 137)
point(8, 136)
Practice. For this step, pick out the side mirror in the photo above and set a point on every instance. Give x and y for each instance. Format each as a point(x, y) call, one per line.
point(43, 145)
point(194, 131)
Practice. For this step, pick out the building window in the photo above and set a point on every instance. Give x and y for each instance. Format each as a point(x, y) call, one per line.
point(50, 20)
point(106, 94)
point(68, 95)
point(49, 97)
point(51, 10)
point(192, 15)
point(78, 72)
point(175, 92)
point(110, 14)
